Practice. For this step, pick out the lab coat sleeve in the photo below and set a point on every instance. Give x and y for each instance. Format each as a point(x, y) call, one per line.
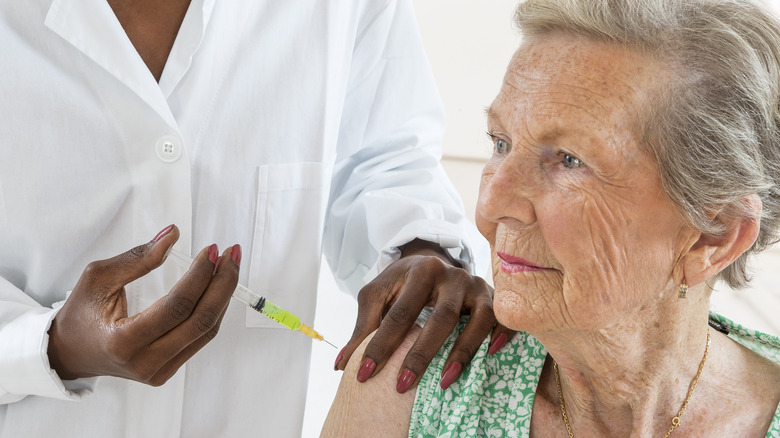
point(389, 187)
point(24, 339)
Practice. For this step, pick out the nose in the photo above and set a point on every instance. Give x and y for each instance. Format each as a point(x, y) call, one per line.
point(505, 193)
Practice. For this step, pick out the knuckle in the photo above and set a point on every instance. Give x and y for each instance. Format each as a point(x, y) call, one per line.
point(211, 334)
point(376, 349)
point(483, 284)
point(205, 321)
point(416, 360)
point(446, 311)
point(362, 325)
point(428, 266)
point(464, 350)
point(94, 269)
point(484, 313)
point(131, 257)
point(399, 314)
point(141, 255)
point(180, 307)
point(138, 251)
point(432, 262)
point(369, 295)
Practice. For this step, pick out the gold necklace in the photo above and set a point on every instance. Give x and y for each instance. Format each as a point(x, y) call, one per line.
point(675, 420)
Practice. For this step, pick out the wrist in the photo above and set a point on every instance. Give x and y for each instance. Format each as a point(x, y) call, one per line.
point(419, 247)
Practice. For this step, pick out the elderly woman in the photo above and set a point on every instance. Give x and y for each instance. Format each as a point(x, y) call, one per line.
point(636, 162)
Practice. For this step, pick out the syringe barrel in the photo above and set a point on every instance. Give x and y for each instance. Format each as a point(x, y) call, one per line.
point(248, 297)
point(281, 316)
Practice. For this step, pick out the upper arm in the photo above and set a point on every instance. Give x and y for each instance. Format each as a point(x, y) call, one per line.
point(372, 408)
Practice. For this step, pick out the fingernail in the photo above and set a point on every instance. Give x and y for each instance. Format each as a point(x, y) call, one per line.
point(338, 358)
point(162, 233)
point(497, 343)
point(366, 369)
point(405, 381)
point(235, 253)
point(214, 253)
point(451, 375)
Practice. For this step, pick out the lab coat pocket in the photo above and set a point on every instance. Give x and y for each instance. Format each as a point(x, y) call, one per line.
point(287, 243)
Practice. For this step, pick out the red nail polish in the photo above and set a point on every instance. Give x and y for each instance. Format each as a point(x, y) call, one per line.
point(162, 233)
point(366, 369)
point(338, 358)
point(214, 253)
point(405, 381)
point(451, 375)
point(235, 253)
point(497, 343)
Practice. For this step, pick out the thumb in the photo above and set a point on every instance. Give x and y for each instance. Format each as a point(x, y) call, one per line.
point(139, 261)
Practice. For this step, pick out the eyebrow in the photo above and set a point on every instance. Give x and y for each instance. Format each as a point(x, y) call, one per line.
point(493, 115)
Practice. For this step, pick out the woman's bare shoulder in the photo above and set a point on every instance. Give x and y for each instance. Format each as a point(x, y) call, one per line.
point(372, 408)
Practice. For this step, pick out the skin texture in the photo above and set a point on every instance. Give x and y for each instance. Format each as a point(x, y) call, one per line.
point(152, 345)
point(92, 334)
point(152, 27)
point(423, 277)
point(570, 191)
point(373, 408)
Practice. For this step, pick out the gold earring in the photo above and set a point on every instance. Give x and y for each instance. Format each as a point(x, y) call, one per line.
point(683, 289)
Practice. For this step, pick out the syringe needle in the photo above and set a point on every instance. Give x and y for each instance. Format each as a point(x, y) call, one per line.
point(330, 344)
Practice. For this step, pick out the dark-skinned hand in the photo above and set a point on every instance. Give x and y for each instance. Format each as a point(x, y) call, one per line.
point(92, 335)
point(424, 276)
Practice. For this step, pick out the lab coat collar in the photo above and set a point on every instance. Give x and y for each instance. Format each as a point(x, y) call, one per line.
point(91, 27)
point(187, 43)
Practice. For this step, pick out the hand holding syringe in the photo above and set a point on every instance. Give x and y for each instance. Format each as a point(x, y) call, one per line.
point(262, 305)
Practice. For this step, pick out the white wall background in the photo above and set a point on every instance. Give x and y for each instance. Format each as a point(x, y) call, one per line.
point(469, 44)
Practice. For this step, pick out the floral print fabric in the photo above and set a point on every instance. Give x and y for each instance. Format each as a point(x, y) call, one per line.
point(494, 395)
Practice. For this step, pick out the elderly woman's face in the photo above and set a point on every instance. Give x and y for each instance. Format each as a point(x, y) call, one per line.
point(580, 229)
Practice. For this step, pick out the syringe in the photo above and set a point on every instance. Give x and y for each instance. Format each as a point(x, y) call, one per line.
point(262, 305)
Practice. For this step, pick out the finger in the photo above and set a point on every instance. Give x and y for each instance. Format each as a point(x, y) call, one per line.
point(443, 319)
point(203, 323)
point(479, 325)
point(402, 314)
point(169, 369)
point(500, 336)
point(165, 372)
point(175, 307)
point(127, 267)
point(372, 304)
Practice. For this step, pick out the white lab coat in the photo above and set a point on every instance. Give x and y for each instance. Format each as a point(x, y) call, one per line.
point(290, 127)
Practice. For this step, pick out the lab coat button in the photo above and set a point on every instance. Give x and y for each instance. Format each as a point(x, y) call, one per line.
point(168, 149)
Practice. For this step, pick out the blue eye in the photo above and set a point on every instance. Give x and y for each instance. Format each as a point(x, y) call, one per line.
point(500, 145)
point(572, 162)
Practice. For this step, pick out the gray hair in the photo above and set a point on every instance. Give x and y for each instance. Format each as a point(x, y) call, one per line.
point(714, 131)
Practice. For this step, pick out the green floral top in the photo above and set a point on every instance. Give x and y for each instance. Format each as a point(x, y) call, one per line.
point(495, 394)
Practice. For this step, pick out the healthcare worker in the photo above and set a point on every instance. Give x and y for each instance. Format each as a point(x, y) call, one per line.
point(268, 132)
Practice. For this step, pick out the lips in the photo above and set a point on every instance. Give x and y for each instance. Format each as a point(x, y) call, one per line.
point(511, 264)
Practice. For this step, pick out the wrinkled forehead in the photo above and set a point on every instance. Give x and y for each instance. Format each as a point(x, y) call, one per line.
point(604, 79)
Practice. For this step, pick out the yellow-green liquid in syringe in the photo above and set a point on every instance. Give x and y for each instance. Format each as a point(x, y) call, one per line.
point(263, 306)
point(276, 313)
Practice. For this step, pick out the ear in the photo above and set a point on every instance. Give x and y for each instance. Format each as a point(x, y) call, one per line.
point(712, 254)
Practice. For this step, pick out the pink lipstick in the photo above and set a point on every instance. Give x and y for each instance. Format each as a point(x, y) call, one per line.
point(511, 264)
